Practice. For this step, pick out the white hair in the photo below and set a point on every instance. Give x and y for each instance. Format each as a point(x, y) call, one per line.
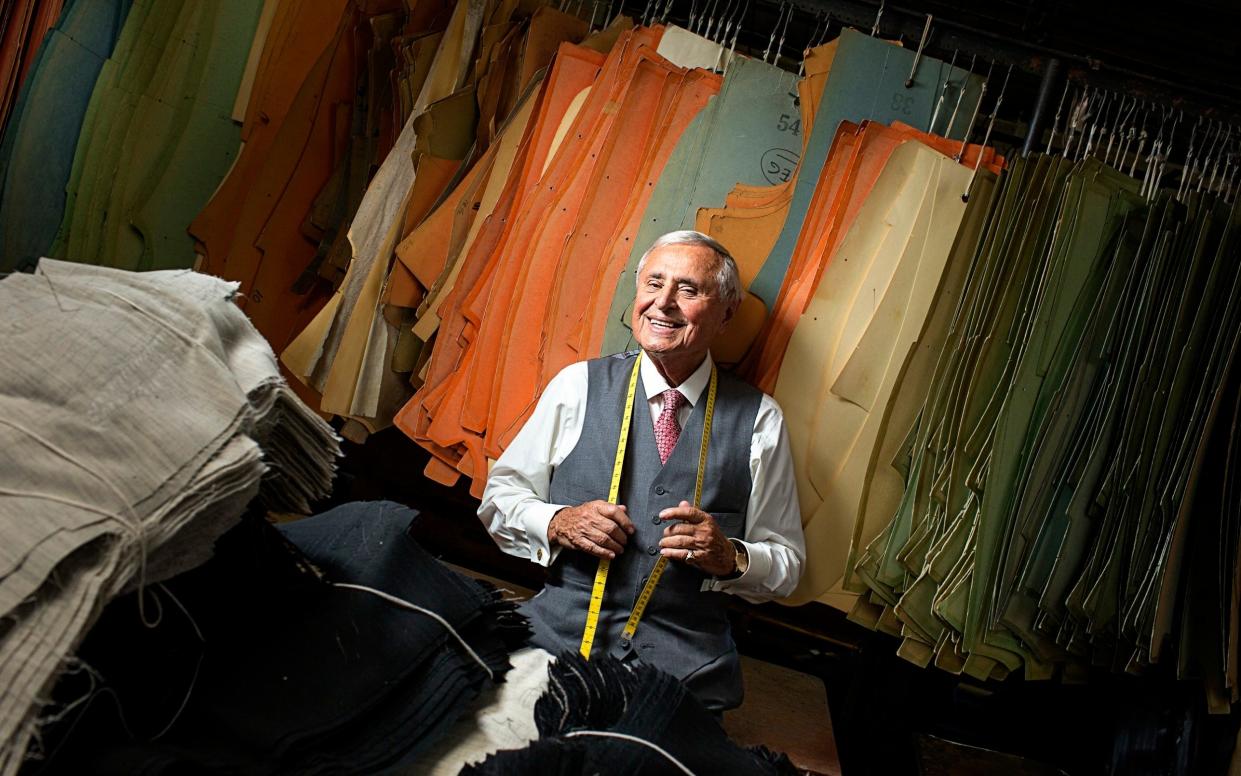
point(727, 278)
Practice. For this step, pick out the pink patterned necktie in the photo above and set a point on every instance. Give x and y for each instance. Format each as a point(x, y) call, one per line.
point(668, 428)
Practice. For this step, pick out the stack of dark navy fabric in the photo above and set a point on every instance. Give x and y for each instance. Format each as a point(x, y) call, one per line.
point(263, 663)
point(608, 717)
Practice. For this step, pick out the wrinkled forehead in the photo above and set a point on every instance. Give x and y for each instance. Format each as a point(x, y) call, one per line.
point(688, 263)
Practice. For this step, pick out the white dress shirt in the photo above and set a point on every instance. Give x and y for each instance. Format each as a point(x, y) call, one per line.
point(516, 512)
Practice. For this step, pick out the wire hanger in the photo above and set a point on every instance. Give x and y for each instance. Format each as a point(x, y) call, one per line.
point(1142, 137)
point(1077, 115)
point(1209, 155)
point(819, 18)
point(783, 33)
point(874, 31)
point(952, 120)
point(943, 91)
point(1055, 122)
point(986, 138)
point(708, 19)
point(1115, 131)
point(771, 40)
point(1189, 157)
point(926, 31)
point(717, 26)
point(732, 47)
point(1130, 130)
point(1092, 145)
point(969, 128)
point(663, 17)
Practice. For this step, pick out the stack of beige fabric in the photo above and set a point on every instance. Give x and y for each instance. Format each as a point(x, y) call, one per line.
point(139, 415)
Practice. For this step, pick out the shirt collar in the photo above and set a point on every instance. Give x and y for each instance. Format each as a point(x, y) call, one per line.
point(655, 384)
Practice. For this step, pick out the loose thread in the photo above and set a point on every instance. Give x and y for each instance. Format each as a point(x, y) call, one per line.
point(401, 602)
point(633, 739)
point(137, 525)
point(197, 666)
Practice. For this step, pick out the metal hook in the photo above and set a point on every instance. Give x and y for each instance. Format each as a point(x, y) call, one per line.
point(659, 12)
point(969, 128)
point(1165, 148)
point(986, 138)
point(960, 94)
point(827, 28)
point(732, 47)
point(1055, 122)
point(1111, 133)
point(711, 23)
point(1073, 122)
point(1206, 158)
point(818, 18)
point(1094, 128)
point(874, 31)
point(1187, 167)
point(926, 31)
point(771, 40)
point(783, 34)
point(693, 15)
point(1215, 163)
point(713, 26)
point(700, 23)
point(1122, 152)
point(1142, 136)
point(733, 21)
point(1116, 129)
point(943, 91)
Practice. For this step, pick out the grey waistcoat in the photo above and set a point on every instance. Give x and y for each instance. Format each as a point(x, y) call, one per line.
point(684, 631)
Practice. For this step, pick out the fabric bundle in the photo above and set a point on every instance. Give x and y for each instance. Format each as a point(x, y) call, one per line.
point(263, 663)
point(142, 413)
point(1063, 496)
point(603, 716)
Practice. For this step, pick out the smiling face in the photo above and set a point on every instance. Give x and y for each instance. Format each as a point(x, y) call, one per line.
point(678, 311)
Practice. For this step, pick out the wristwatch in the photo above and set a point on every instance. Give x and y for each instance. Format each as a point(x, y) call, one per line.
point(741, 560)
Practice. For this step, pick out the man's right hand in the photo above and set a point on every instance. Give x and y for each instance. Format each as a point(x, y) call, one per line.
point(596, 527)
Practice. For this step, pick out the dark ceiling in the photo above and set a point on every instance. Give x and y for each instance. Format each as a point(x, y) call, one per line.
point(1185, 54)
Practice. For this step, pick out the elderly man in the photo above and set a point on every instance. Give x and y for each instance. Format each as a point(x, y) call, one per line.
point(613, 484)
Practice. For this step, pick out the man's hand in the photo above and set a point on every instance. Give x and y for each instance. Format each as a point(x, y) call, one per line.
point(596, 527)
point(698, 533)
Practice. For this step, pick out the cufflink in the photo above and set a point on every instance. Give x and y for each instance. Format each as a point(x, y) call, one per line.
point(539, 553)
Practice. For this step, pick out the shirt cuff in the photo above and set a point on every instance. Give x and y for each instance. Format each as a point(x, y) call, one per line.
point(535, 519)
point(757, 570)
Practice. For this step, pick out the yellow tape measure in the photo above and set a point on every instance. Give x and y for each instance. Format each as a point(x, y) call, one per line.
point(601, 574)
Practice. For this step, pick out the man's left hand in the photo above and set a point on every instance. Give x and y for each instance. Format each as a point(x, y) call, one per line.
point(698, 533)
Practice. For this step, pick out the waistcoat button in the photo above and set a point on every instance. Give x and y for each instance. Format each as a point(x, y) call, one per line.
point(660, 490)
point(652, 549)
point(655, 520)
